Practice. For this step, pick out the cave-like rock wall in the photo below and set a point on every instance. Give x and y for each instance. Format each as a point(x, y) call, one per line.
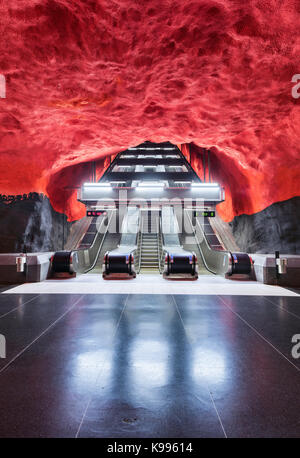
point(32, 226)
point(88, 78)
point(275, 228)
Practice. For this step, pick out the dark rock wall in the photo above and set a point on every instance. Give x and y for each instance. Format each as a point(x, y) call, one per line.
point(31, 226)
point(277, 227)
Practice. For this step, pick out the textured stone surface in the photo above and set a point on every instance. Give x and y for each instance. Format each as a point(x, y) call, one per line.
point(275, 228)
point(31, 226)
point(88, 78)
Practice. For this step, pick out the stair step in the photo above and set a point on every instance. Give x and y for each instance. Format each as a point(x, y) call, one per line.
point(150, 269)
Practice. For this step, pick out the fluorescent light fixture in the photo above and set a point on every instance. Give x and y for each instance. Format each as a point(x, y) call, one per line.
point(97, 185)
point(151, 184)
point(205, 185)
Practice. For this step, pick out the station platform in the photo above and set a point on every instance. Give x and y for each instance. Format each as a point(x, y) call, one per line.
point(152, 284)
point(83, 361)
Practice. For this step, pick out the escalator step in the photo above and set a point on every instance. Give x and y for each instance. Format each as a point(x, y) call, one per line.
point(217, 247)
point(92, 228)
point(88, 238)
point(84, 246)
point(213, 239)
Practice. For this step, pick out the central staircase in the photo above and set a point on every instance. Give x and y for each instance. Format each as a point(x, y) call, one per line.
point(149, 248)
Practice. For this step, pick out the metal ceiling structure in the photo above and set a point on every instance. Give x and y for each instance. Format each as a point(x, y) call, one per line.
point(156, 172)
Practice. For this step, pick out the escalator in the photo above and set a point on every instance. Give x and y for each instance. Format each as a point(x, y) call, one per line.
point(84, 259)
point(215, 258)
point(120, 263)
point(178, 261)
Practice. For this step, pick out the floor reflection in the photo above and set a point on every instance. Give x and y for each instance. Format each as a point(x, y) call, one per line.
point(154, 378)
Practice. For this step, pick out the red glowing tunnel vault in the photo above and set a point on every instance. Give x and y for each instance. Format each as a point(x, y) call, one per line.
point(85, 80)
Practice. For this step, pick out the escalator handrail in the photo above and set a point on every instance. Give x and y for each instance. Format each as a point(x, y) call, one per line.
point(139, 244)
point(159, 240)
point(101, 244)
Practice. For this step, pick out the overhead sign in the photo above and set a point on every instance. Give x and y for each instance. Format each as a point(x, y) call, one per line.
point(96, 213)
point(205, 214)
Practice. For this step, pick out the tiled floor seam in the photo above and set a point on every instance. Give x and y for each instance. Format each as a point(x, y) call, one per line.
point(39, 336)
point(260, 335)
point(208, 390)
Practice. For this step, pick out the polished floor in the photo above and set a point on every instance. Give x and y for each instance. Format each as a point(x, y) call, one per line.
point(144, 365)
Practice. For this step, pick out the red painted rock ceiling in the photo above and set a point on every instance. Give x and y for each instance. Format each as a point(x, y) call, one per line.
point(88, 78)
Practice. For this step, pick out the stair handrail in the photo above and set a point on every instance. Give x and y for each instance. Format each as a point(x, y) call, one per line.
point(159, 239)
point(139, 244)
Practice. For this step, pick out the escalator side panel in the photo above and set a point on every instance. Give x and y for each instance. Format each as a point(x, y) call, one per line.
point(85, 258)
point(215, 258)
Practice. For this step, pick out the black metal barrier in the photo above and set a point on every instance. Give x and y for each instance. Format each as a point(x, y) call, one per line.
point(181, 264)
point(241, 263)
point(116, 263)
point(62, 262)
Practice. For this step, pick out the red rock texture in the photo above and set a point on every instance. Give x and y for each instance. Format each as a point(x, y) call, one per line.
point(88, 78)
